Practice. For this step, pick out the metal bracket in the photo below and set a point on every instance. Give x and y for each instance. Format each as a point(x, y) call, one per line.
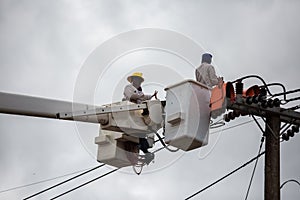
point(286, 115)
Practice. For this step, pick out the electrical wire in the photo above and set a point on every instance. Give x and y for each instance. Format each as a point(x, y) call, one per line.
point(283, 88)
point(293, 99)
point(261, 143)
point(291, 180)
point(224, 129)
point(237, 125)
point(254, 76)
point(255, 165)
point(285, 128)
point(93, 168)
point(294, 107)
point(88, 182)
point(286, 92)
point(271, 130)
point(259, 126)
point(231, 127)
point(162, 142)
point(230, 173)
point(42, 181)
point(63, 182)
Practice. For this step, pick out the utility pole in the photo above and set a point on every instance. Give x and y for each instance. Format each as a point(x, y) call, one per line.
point(274, 115)
point(272, 158)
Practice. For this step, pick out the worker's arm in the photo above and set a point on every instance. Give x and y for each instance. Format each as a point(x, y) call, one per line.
point(212, 75)
point(132, 94)
point(148, 96)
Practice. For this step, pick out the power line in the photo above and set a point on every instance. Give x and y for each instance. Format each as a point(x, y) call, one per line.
point(84, 184)
point(251, 179)
point(46, 180)
point(230, 127)
point(232, 172)
point(224, 129)
point(65, 175)
point(164, 146)
point(63, 182)
point(42, 181)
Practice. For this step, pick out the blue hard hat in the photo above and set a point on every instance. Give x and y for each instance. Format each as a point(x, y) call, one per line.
point(206, 57)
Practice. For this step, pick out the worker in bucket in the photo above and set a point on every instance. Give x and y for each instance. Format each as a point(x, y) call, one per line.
point(206, 73)
point(133, 91)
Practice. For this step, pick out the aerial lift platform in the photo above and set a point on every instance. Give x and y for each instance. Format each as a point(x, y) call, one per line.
point(184, 118)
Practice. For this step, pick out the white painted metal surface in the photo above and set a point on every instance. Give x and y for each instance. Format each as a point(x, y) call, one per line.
point(116, 148)
point(187, 115)
point(39, 107)
point(135, 122)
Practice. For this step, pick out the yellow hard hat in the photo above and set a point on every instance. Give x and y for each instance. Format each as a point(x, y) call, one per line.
point(135, 74)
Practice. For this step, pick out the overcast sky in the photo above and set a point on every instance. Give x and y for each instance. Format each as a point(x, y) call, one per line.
point(46, 45)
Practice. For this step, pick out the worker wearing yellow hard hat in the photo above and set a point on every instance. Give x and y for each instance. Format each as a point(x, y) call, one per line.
point(135, 75)
point(133, 92)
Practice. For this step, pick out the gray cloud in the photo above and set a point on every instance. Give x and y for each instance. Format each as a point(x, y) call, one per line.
point(45, 43)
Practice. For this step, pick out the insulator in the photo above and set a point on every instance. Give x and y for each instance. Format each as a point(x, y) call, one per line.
point(255, 99)
point(270, 103)
point(236, 113)
point(231, 116)
point(285, 137)
point(226, 118)
point(264, 103)
point(239, 88)
point(276, 102)
point(295, 128)
point(249, 100)
point(260, 98)
point(263, 91)
point(290, 133)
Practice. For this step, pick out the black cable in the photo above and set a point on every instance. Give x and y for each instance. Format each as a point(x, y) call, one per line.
point(261, 129)
point(253, 172)
point(283, 88)
point(285, 128)
point(286, 92)
point(271, 130)
point(224, 129)
point(42, 181)
point(84, 184)
point(163, 143)
point(158, 140)
point(291, 180)
point(254, 76)
point(294, 107)
point(232, 172)
point(63, 182)
point(152, 152)
point(293, 99)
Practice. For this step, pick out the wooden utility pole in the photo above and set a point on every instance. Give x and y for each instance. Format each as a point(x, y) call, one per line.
point(274, 116)
point(272, 158)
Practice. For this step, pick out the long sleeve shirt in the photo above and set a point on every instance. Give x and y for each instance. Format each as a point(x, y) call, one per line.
point(206, 74)
point(134, 95)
